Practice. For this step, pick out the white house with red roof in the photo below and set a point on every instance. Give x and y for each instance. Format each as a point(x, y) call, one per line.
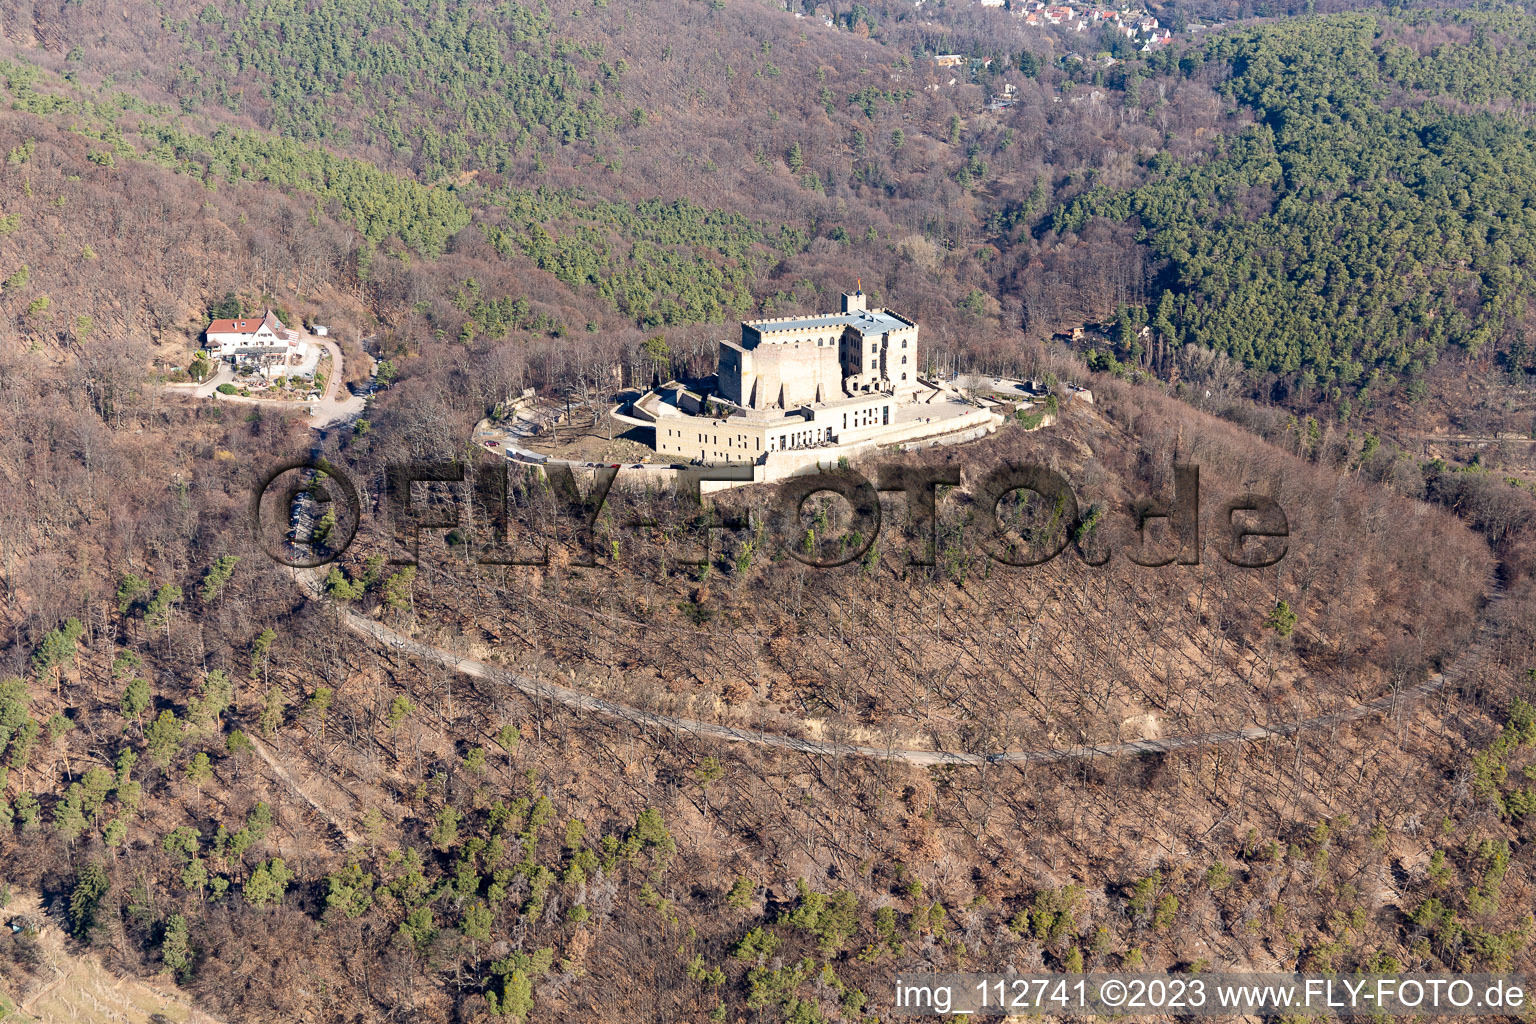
point(262, 342)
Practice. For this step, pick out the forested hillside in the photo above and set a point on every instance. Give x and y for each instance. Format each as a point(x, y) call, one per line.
point(656, 262)
point(214, 779)
point(734, 107)
point(1378, 211)
point(437, 87)
point(1335, 202)
point(114, 260)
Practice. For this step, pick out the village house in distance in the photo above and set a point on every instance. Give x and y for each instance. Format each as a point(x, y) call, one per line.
point(797, 392)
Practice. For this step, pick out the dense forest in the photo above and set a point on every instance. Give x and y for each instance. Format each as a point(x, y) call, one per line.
point(671, 263)
point(1349, 236)
point(443, 88)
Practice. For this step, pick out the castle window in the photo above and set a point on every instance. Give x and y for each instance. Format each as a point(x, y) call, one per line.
point(903, 363)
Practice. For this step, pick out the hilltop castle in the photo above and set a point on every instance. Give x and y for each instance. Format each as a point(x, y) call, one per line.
point(810, 387)
point(820, 359)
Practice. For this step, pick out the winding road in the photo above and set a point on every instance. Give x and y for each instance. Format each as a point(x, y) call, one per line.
point(310, 581)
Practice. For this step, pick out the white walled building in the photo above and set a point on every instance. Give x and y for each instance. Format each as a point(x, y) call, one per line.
point(261, 342)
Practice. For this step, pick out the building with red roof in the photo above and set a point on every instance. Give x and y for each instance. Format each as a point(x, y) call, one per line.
point(260, 341)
